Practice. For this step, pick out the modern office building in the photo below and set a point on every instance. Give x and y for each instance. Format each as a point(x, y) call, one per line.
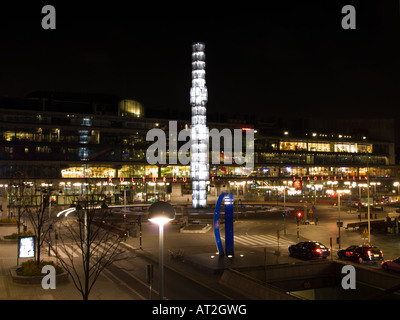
point(72, 144)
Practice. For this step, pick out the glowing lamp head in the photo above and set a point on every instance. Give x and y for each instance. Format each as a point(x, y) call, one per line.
point(161, 212)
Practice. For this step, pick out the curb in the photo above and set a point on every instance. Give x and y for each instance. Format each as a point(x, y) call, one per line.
point(60, 278)
point(9, 240)
point(201, 229)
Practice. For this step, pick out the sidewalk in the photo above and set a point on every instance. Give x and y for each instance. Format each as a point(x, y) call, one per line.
point(104, 288)
point(200, 262)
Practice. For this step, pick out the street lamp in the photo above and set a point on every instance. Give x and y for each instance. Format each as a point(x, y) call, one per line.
point(397, 184)
point(340, 223)
point(284, 208)
point(161, 213)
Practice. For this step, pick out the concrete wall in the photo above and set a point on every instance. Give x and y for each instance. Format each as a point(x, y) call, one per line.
point(316, 275)
point(251, 288)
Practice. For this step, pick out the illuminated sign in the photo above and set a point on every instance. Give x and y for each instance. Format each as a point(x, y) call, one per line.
point(297, 184)
point(330, 178)
point(26, 247)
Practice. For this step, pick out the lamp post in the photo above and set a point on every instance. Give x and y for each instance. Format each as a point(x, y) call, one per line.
point(284, 210)
point(161, 213)
point(397, 184)
point(340, 223)
point(369, 212)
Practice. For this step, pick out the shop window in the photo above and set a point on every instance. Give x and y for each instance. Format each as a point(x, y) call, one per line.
point(8, 135)
point(317, 146)
point(345, 147)
point(364, 148)
point(44, 149)
point(151, 171)
point(293, 146)
point(81, 172)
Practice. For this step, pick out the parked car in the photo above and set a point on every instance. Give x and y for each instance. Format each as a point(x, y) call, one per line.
point(393, 265)
point(309, 250)
point(361, 253)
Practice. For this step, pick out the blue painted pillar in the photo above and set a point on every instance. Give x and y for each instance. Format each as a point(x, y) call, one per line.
point(216, 225)
point(229, 224)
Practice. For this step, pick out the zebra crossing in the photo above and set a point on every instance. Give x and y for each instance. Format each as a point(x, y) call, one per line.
point(261, 240)
point(72, 251)
point(65, 252)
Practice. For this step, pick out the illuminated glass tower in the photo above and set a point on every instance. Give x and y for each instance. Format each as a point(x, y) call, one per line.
point(199, 168)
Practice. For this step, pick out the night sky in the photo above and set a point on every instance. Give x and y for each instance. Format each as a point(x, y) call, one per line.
point(291, 59)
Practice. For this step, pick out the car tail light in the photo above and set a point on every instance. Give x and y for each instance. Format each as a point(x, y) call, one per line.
point(369, 252)
point(318, 250)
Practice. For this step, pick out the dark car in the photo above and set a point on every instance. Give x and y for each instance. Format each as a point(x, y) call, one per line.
point(309, 250)
point(361, 253)
point(393, 265)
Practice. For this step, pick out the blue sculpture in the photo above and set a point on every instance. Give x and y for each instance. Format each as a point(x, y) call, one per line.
point(228, 224)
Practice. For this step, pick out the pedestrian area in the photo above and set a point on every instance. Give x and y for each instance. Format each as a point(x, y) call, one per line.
point(72, 251)
point(261, 240)
point(104, 289)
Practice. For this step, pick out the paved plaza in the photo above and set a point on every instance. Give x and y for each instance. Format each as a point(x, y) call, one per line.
point(200, 260)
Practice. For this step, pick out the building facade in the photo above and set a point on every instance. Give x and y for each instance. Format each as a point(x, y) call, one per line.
point(69, 148)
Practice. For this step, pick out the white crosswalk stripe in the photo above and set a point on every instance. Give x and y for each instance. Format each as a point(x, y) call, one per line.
point(127, 245)
point(260, 240)
point(70, 251)
point(65, 252)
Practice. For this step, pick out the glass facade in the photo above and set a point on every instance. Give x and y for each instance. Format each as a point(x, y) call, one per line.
point(65, 149)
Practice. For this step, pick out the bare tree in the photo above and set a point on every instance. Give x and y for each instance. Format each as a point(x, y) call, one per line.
point(18, 197)
point(40, 221)
point(97, 243)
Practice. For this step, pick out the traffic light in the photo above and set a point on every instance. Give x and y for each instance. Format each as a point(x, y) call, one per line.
point(286, 213)
point(299, 215)
point(45, 201)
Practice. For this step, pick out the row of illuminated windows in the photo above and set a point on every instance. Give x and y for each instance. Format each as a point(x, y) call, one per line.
point(130, 171)
point(75, 136)
point(55, 135)
point(126, 171)
point(326, 147)
point(65, 153)
point(139, 171)
point(321, 159)
point(275, 171)
point(95, 137)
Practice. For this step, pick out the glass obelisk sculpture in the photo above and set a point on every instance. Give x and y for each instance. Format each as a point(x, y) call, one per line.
point(199, 167)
